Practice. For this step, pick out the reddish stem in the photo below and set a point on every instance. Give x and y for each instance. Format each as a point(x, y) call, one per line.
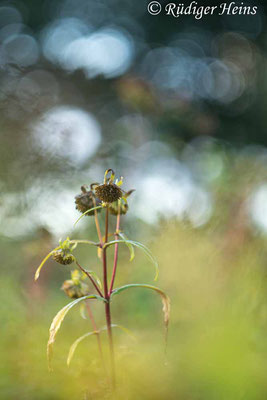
point(107, 304)
point(91, 279)
point(97, 225)
point(116, 251)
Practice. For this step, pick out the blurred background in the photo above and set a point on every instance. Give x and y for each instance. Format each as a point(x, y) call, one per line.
point(178, 108)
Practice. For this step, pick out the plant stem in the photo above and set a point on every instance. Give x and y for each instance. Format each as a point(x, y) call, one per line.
point(97, 225)
point(91, 279)
point(97, 335)
point(107, 304)
point(116, 250)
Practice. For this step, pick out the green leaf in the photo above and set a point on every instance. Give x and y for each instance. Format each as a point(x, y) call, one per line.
point(142, 247)
point(58, 319)
point(129, 245)
point(37, 273)
point(82, 311)
point(74, 345)
point(86, 212)
point(164, 298)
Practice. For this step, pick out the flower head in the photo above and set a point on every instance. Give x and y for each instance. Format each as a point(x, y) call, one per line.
point(75, 287)
point(87, 200)
point(64, 254)
point(109, 192)
point(120, 206)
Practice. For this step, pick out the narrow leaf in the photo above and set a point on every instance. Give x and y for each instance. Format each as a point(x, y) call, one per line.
point(82, 311)
point(164, 298)
point(129, 245)
point(37, 273)
point(57, 321)
point(74, 345)
point(142, 247)
point(86, 212)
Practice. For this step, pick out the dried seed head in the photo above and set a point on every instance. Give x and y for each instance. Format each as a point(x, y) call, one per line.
point(63, 257)
point(114, 208)
point(74, 290)
point(87, 200)
point(122, 209)
point(108, 192)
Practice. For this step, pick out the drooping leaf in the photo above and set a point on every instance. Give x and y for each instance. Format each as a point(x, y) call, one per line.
point(58, 319)
point(164, 298)
point(81, 338)
point(129, 245)
point(37, 273)
point(82, 311)
point(86, 212)
point(75, 344)
point(142, 247)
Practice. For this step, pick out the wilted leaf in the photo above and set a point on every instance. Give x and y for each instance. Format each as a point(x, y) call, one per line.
point(58, 319)
point(164, 298)
point(129, 245)
point(82, 311)
point(142, 247)
point(37, 273)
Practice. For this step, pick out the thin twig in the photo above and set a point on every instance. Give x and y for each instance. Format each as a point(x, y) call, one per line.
point(91, 279)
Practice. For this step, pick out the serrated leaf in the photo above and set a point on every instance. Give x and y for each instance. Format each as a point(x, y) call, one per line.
point(74, 345)
point(86, 212)
point(129, 245)
point(142, 247)
point(58, 319)
point(164, 298)
point(37, 273)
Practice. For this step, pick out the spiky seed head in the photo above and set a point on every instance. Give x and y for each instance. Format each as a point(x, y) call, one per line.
point(64, 258)
point(87, 200)
point(108, 192)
